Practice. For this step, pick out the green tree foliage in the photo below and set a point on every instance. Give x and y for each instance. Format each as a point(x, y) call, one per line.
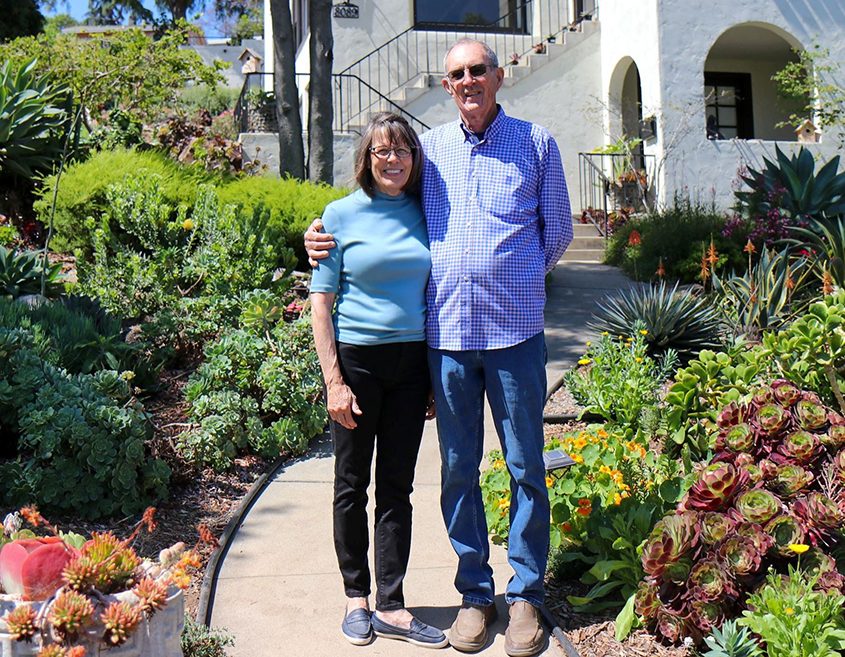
point(20, 18)
point(123, 70)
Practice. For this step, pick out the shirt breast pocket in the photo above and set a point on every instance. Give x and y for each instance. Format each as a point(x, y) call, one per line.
point(508, 189)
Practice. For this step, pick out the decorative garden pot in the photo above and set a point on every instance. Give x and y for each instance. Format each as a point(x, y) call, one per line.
point(158, 637)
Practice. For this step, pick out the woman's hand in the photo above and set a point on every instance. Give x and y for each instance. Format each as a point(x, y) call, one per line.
point(342, 405)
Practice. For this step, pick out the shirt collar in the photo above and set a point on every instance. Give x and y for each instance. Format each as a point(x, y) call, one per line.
point(490, 132)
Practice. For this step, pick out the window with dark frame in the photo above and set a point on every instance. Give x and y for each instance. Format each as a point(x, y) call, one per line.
point(510, 16)
point(728, 105)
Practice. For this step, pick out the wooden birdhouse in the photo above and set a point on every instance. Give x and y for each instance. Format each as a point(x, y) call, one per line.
point(807, 133)
point(250, 61)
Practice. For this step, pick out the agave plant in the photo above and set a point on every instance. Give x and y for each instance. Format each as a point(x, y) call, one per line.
point(675, 319)
point(33, 111)
point(731, 640)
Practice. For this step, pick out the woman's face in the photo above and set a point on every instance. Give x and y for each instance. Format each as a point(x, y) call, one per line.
point(390, 169)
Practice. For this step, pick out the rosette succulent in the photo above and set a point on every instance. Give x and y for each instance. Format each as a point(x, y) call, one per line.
point(810, 413)
point(741, 554)
point(714, 527)
point(758, 505)
point(710, 580)
point(835, 436)
point(820, 515)
point(737, 438)
point(646, 602)
point(730, 415)
point(801, 446)
point(785, 531)
point(770, 418)
point(673, 625)
point(706, 614)
point(791, 479)
point(715, 488)
point(785, 392)
point(666, 547)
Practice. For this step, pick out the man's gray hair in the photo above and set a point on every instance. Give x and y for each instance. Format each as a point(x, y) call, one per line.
point(488, 51)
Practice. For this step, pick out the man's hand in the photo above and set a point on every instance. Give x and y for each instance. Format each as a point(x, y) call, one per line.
point(317, 243)
point(342, 405)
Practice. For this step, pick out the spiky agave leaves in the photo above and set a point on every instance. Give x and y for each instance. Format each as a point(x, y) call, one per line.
point(715, 488)
point(70, 613)
point(22, 622)
point(758, 505)
point(820, 515)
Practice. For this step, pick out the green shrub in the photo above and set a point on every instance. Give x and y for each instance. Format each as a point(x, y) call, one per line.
point(80, 438)
point(215, 99)
point(258, 390)
point(83, 190)
point(199, 640)
point(292, 204)
point(678, 237)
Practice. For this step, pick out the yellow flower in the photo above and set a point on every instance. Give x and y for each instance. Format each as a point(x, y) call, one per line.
point(604, 469)
point(601, 433)
point(617, 499)
point(638, 359)
point(643, 332)
point(580, 442)
point(188, 224)
point(798, 548)
point(589, 343)
point(789, 611)
point(550, 481)
point(498, 464)
point(577, 458)
point(584, 361)
point(605, 333)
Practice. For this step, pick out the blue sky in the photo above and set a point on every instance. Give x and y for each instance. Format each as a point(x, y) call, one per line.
point(79, 8)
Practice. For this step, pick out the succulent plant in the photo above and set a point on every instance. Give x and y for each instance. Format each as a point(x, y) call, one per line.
point(758, 505)
point(831, 580)
point(835, 436)
point(730, 415)
point(673, 625)
point(104, 563)
point(801, 447)
point(742, 555)
point(731, 640)
point(710, 580)
point(820, 515)
point(737, 438)
point(791, 479)
point(785, 392)
point(119, 619)
point(706, 615)
point(714, 527)
point(70, 613)
point(670, 539)
point(646, 601)
point(770, 418)
point(810, 414)
point(785, 531)
point(32, 567)
point(151, 594)
point(715, 488)
point(22, 622)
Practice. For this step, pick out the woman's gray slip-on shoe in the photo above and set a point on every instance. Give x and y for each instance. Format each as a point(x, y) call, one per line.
point(357, 628)
point(419, 633)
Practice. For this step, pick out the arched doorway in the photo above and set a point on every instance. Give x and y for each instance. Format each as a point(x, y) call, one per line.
point(741, 99)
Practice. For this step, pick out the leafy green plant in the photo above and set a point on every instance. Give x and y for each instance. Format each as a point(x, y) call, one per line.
point(258, 391)
point(731, 640)
point(617, 379)
point(33, 113)
point(78, 441)
point(21, 273)
point(675, 319)
point(794, 619)
point(198, 640)
point(791, 186)
point(826, 241)
point(764, 297)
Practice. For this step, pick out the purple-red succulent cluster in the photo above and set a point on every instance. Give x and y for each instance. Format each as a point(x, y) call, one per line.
point(776, 481)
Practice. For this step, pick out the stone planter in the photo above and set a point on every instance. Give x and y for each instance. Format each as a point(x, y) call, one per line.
point(158, 637)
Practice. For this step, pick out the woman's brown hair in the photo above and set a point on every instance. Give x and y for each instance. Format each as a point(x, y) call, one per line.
point(398, 133)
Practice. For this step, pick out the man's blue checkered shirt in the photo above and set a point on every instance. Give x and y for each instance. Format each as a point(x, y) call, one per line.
point(498, 219)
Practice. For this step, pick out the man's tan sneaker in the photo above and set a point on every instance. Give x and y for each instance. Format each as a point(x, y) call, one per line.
point(524, 636)
point(469, 631)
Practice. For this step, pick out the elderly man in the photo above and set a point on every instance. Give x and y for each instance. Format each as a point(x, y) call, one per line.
point(498, 217)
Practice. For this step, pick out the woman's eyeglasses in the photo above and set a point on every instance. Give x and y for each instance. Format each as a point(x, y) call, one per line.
point(383, 153)
point(476, 71)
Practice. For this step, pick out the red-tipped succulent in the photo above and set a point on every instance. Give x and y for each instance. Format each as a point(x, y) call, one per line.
point(715, 488)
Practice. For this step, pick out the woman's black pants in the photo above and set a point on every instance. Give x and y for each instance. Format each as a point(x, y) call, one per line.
point(391, 384)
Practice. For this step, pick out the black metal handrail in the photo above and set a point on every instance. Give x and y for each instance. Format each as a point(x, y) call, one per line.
point(351, 111)
point(610, 182)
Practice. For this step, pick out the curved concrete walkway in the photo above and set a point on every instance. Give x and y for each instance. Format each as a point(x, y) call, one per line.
point(279, 591)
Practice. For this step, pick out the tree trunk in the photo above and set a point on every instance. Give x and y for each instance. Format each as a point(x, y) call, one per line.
point(320, 111)
point(291, 151)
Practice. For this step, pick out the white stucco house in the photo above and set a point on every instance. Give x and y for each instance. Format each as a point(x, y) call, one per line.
point(592, 71)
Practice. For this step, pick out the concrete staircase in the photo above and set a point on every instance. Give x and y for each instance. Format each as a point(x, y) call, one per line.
point(587, 244)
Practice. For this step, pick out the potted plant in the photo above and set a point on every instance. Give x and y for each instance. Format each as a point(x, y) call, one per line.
point(64, 596)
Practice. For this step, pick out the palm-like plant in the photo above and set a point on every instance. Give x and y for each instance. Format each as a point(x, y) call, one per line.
point(33, 112)
point(675, 319)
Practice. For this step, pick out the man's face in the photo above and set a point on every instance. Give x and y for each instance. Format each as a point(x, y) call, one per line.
point(475, 95)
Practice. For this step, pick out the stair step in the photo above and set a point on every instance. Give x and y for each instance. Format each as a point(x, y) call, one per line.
point(583, 255)
point(593, 242)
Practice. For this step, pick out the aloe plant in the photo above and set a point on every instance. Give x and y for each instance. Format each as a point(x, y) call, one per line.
point(20, 273)
point(731, 640)
point(33, 111)
point(762, 298)
point(827, 240)
point(675, 319)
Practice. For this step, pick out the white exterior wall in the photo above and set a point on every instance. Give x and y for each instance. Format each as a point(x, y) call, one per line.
point(704, 169)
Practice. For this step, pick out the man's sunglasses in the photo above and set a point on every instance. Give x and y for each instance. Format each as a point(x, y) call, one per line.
point(476, 71)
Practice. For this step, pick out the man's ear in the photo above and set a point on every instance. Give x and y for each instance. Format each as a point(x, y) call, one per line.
point(448, 87)
point(500, 77)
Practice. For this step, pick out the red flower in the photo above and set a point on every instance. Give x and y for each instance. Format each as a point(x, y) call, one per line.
point(634, 238)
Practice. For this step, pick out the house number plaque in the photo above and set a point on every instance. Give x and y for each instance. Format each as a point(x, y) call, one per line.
point(345, 10)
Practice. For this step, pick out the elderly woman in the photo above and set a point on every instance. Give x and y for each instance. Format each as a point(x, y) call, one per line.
point(373, 355)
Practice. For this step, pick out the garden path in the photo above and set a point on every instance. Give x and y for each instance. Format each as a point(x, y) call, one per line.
point(278, 590)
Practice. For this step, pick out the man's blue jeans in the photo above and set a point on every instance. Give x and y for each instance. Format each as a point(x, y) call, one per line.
point(514, 379)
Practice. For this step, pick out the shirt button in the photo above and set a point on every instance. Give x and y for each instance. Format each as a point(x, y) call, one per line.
point(466, 278)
